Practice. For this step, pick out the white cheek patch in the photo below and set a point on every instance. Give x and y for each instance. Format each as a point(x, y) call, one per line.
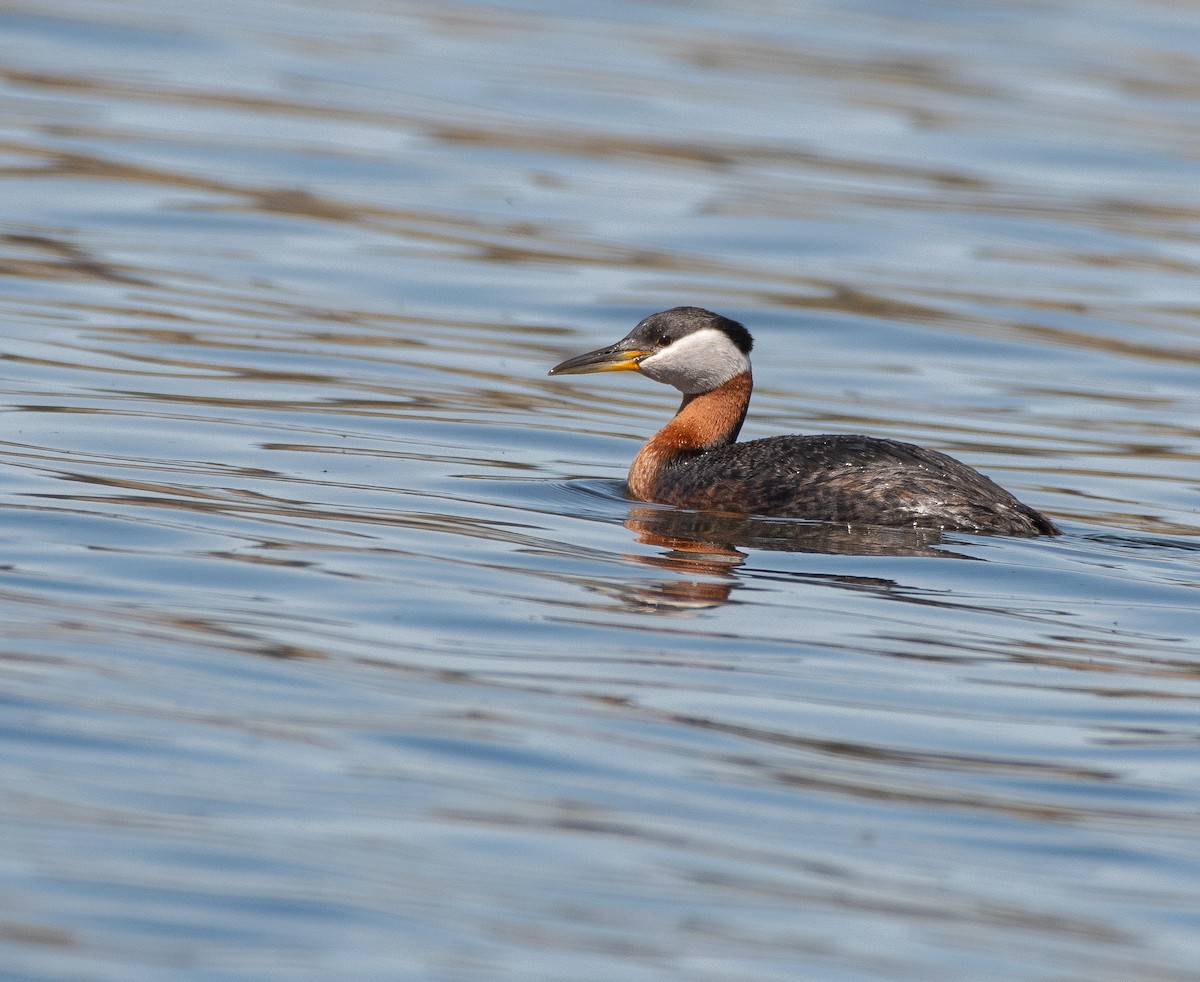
point(697, 362)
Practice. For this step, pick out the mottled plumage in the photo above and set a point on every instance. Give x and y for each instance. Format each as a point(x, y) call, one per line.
point(694, 462)
point(848, 479)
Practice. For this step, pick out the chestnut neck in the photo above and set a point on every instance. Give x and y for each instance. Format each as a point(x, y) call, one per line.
point(704, 421)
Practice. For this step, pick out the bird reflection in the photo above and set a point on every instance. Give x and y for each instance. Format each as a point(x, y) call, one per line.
point(711, 545)
point(709, 533)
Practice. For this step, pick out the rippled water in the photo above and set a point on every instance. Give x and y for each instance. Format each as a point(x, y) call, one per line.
point(331, 647)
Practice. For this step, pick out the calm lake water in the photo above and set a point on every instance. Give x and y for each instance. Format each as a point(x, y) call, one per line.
point(330, 647)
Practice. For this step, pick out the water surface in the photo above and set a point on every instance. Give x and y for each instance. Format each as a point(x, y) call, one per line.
point(331, 646)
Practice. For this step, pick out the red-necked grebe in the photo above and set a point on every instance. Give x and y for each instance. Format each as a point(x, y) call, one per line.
point(694, 462)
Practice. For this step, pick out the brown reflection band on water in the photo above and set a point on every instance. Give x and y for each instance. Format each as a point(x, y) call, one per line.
point(508, 243)
point(580, 141)
point(484, 241)
point(59, 259)
point(499, 241)
point(69, 618)
point(902, 762)
point(519, 242)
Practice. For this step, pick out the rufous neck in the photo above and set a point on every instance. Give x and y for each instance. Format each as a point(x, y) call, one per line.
point(704, 422)
point(710, 419)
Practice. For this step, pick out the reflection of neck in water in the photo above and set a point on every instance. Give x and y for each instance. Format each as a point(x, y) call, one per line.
point(687, 554)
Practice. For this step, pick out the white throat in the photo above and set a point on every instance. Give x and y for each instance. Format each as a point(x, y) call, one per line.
point(696, 362)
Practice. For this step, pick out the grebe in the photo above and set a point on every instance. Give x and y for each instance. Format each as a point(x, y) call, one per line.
point(694, 462)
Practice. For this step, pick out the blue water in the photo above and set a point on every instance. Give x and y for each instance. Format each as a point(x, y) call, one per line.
point(330, 646)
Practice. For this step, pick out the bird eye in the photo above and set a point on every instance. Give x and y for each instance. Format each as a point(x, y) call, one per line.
point(664, 340)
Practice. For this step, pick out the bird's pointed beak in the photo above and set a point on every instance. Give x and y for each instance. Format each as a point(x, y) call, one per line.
point(619, 357)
